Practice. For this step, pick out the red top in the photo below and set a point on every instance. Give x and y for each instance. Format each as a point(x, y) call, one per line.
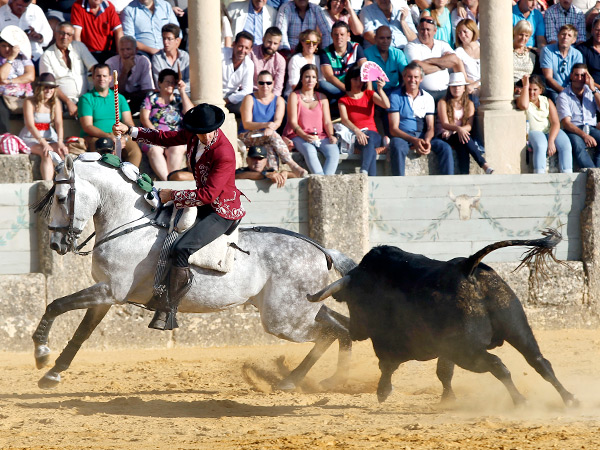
point(96, 30)
point(214, 172)
point(361, 112)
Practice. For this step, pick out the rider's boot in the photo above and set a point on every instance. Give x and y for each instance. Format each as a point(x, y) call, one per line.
point(179, 284)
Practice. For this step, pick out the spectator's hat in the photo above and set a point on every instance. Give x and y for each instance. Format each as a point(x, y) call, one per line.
point(15, 36)
point(457, 79)
point(256, 151)
point(105, 145)
point(203, 118)
point(47, 79)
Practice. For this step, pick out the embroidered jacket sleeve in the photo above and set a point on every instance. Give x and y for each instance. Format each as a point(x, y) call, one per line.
point(162, 138)
point(211, 179)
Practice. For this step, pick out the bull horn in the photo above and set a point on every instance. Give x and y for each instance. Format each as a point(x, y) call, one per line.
point(478, 196)
point(451, 195)
point(329, 290)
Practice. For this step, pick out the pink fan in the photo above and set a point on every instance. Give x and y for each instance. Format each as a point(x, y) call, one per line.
point(370, 71)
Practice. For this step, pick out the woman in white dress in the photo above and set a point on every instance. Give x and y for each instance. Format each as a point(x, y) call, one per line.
point(467, 49)
point(306, 53)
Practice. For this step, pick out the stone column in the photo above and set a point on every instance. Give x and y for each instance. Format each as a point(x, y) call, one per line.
point(205, 60)
point(502, 127)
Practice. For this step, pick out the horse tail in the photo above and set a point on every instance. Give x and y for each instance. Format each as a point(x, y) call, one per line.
point(335, 259)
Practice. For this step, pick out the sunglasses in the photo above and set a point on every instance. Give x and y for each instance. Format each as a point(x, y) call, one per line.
point(427, 20)
point(563, 66)
point(309, 42)
point(262, 83)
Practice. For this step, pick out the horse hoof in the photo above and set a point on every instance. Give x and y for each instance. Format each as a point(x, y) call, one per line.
point(42, 356)
point(383, 394)
point(332, 382)
point(286, 385)
point(572, 402)
point(50, 380)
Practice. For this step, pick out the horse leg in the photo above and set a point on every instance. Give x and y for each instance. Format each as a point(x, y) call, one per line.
point(90, 321)
point(330, 330)
point(98, 294)
point(337, 325)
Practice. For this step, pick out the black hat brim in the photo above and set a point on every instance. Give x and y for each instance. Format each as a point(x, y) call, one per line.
point(189, 118)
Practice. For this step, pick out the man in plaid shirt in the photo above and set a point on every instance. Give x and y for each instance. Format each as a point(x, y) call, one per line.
point(299, 15)
point(562, 13)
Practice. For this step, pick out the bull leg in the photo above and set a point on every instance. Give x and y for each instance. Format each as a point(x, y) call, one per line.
point(445, 371)
point(98, 294)
point(486, 362)
point(92, 318)
point(330, 329)
point(387, 366)
point(529, 348)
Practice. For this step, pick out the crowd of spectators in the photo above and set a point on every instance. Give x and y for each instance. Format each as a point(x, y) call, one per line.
point(291, 68)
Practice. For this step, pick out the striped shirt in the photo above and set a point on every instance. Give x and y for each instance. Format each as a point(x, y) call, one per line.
point(291, 25)
point(556, 17)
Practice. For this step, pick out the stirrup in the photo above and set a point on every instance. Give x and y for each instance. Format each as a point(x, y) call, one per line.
point(164, 321)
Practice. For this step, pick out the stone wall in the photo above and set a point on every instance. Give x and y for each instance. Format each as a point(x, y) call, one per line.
point(338, 216)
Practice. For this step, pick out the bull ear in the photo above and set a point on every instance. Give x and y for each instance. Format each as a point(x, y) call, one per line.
point(68, 165)
point(55, 158)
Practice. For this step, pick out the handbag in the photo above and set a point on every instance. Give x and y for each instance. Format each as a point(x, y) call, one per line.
point(12, 145)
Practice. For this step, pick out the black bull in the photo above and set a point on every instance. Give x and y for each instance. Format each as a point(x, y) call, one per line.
point(416, 308)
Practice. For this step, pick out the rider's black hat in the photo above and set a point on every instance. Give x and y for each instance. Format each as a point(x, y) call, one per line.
point(203, 118)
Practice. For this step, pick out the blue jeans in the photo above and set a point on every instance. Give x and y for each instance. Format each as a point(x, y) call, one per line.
point(309, 151)
point(369, 155)
point(539, 143)
point(463, 151)
point(579, 149)
point(330, 90)
point(399, 149)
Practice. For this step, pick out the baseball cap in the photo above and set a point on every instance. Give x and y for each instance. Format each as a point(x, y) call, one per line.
point(105, 145)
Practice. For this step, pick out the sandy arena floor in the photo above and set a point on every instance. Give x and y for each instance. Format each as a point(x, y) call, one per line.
point(221, 398)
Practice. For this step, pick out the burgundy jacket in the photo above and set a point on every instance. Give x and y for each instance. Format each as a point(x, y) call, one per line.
point(214, 172)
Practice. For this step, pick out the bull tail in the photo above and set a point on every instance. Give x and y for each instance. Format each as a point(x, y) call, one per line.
point(540, 251)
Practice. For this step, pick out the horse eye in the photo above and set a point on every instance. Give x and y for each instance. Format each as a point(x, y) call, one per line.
point(62, 200)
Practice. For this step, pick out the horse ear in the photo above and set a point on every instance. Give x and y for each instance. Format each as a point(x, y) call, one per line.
point(68, 165)
point(55, 158)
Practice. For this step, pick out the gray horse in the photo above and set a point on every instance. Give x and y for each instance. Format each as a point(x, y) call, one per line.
point(274, 272)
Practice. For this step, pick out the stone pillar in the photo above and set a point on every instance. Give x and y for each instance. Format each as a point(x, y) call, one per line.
point(205, 60)
point(338, 208)
point(590, 226)
point(502, 127)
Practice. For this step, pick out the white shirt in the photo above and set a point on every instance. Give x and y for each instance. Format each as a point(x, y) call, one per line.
point(436, 81)
point(237, 83)
point(32, 17)
point(73, 82)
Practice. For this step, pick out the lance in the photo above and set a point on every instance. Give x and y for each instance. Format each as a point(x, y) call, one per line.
point(118, 148)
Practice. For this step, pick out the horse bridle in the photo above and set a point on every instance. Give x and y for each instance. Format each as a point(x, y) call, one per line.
point(70, 232)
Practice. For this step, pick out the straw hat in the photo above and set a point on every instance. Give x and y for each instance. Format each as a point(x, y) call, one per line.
point(15, 36)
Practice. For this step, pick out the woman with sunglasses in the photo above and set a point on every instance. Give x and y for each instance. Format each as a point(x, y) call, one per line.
point(262, 114)
point(43, 131)
point(357, 111)
point(342, 10)
point(309, 124)
point(306, 53)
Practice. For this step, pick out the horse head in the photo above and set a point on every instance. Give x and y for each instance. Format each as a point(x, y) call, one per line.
point(72, 201)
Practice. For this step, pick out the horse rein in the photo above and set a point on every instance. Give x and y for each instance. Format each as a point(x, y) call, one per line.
point(72, 234)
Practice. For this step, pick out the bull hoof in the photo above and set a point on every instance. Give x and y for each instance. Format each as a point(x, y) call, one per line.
point(285, 385)
point(384, 393)
point(42, 356)
point(49, 380)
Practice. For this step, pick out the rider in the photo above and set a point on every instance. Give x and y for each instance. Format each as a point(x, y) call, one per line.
point(212, 158)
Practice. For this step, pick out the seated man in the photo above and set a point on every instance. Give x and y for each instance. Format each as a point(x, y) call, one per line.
point(400, 22)
point(257, 168)
point(590, 51)
point(171, 56)
point(98, 26)
point(238, 72)
point(577, 106)
point(558, 60)
point(135, 73)
point(411, 117)
point(562, 13)
point(253, 16)
point(435, 57)
point(97, 114)
point(525, 10)
point(266, 57)
point(144, 20)
point(31, 19)
point(337, 59)
point(391, 59)
point(296, 16)
point(69, 61)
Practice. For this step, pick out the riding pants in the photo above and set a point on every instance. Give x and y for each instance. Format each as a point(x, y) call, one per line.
point(208, 226)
